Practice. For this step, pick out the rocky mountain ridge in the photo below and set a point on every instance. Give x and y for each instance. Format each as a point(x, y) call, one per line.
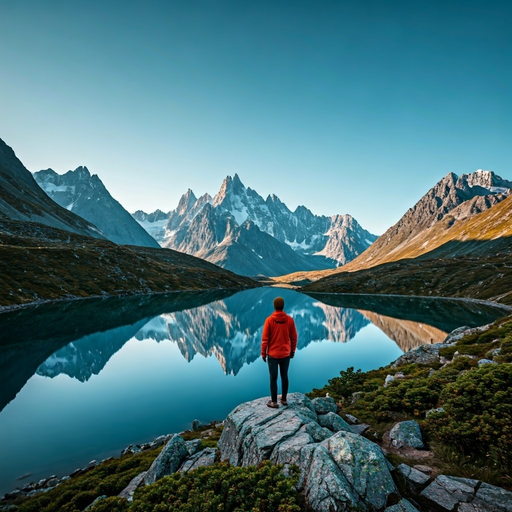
point(22, 200)
point(451, 200)
point(239, 230)
point(467, 215)
point(84, 194)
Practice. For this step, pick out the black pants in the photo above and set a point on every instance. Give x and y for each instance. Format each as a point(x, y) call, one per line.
point(273, 365)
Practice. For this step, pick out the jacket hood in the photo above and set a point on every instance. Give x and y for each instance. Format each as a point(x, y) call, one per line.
point(279, 316)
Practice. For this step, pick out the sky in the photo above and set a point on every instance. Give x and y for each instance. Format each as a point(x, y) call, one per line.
point(352, 107)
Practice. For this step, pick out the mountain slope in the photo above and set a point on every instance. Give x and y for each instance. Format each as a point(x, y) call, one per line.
point(22, 199)
point(439, 217)
point(229, 230)
point(470, 258)
point(452, 199)
point(40, 262)
point(86, 196)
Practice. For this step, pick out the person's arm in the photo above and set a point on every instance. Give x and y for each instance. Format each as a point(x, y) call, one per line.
point(265, 337)
point(292, 332)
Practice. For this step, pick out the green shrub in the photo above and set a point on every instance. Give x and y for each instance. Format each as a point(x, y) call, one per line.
point(478, 414)
point(222, 488)
point(109, 478)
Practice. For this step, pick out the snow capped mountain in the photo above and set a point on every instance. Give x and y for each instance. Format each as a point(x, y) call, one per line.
point(239, 230)
point(22, 200)
point(84, 194)
point(451, 200)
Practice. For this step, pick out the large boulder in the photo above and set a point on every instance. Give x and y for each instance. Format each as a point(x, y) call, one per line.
point(338, 472)
point(449, 493)
point(333, 422)
point(168, 461)
point(407, 433)
point(424, 354)
point(348, 472)
point(324, 404)
point(200, 459)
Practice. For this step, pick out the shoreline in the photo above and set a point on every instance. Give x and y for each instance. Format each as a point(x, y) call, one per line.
point(43, 302)
point(483, 302)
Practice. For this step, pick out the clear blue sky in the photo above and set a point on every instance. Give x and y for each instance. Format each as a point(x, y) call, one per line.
point(344, 106)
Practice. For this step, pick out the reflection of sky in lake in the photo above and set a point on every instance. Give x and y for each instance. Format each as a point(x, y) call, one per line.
point(132, 383)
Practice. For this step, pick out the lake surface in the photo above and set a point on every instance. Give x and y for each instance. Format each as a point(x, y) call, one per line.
point(83, 380)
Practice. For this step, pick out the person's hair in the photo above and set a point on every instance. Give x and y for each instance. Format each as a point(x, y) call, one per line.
point(278, 303)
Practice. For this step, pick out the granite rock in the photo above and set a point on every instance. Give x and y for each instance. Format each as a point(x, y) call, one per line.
point(407, 433)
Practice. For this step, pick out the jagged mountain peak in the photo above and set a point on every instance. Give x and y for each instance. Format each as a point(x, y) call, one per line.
point(230, 186)
point(258, 236)
point(273, 199)
point(82, 171)
point(187, 201)
point(86, 195)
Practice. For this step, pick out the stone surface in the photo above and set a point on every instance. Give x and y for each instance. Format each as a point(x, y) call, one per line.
point(333, 422)
point(193, 446)
point(492, 496)
point(406, 433)
point(348, 470)
point(160, 440)
point(168, 461)
point(324, 404)
point(360, 429)
point(431, 411)
point(402, 506)
point(446, 492)
point(413, 477)
point(205, 457)
point(99, 499)
point(352, 420)
point(424, 354)
point(135, 482)
point(424, 469)
point(486, 361)
point(338, 472)
point(456, 334)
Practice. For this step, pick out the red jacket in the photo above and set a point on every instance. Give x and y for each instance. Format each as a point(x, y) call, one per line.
point(279, 338)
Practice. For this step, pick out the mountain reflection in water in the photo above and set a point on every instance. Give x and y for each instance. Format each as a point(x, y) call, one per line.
point(83, 380)
point(230, 328)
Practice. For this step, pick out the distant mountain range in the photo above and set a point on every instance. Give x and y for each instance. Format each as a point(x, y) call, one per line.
point(84, 194)
point(456, 241)
point(49, 253)
point(239, 230)
point(22, 200)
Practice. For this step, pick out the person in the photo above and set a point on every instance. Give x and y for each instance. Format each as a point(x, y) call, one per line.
point(278, 345)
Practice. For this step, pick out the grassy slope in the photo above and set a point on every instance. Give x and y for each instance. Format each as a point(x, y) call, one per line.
point(41, 263)
point(479, 278)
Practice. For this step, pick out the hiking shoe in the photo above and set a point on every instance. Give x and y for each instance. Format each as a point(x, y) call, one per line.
point(273, 405)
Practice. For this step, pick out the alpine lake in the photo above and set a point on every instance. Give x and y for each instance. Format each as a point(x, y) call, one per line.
point(82, 380)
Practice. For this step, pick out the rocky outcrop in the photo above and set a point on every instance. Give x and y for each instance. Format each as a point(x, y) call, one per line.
point(424, 354)
point(407, 433)
point(323, 405)
point(168, 461)
point(449, 493)
point(338, 472)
